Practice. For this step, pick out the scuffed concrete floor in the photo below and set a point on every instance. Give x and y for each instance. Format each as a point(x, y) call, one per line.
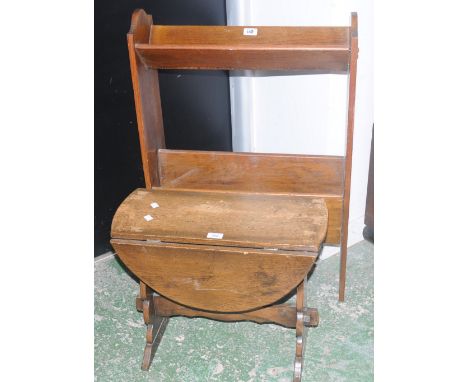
point(197, 350)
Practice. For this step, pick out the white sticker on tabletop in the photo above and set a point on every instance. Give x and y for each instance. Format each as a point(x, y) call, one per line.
point(214, 235)
point(148, 218)
point(154, 205)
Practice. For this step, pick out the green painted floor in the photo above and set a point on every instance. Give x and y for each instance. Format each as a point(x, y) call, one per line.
point(196, 350)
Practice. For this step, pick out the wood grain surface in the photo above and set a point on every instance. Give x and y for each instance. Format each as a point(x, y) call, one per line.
point(215, 278)
point(353, 35)
point(260, 173)
point(306, 174)
point(288, 37)
point(280, 314)
point(226, 47)
point(288, 222)
point(147, 99)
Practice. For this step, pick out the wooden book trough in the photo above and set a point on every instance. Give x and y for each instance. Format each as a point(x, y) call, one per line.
point(229, 236)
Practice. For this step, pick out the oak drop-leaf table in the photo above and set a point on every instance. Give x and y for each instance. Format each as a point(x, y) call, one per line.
point(228, 256)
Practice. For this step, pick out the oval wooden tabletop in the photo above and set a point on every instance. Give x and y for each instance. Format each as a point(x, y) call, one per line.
point(288, 222)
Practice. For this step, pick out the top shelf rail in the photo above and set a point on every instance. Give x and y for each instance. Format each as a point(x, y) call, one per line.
point(317, 49)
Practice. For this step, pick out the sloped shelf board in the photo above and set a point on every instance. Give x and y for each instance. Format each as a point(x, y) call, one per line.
point(322, 49)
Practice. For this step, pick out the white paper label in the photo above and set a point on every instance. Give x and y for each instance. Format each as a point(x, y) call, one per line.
point(214, 235)
point(148, 218)
point(250, 31)
point(154, 205)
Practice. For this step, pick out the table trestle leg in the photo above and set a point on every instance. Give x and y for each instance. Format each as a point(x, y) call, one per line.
point(155, 327)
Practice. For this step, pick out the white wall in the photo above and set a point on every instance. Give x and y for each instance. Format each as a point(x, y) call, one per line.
point(306, 114)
